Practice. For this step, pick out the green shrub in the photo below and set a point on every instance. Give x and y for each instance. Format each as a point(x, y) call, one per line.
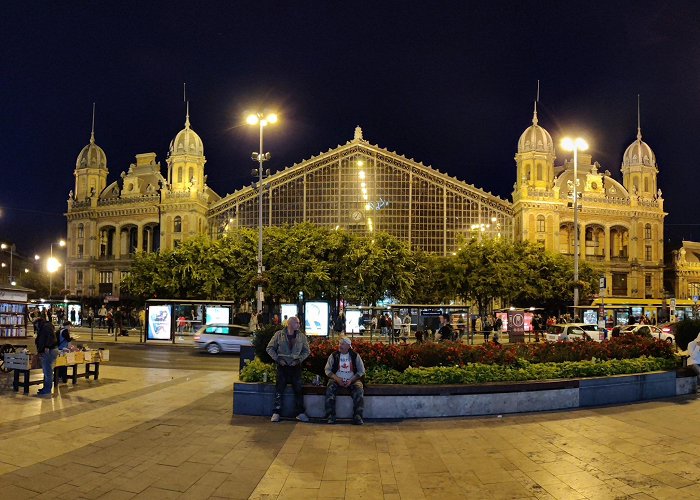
point(261, 338)
point(686, 331)
point(258, 371)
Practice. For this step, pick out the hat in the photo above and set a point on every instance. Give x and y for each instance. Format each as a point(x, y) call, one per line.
point(346, 340)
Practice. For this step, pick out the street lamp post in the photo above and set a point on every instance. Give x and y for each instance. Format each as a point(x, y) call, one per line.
point(52, 265)
point(575, 145)
point(10, 247)
point(262, 121)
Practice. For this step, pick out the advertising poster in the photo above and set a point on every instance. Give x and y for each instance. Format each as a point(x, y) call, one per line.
point(74, 315)
point(316, 318)
point(159, 323)
point(288, 310)
point(352, 321)
point(217, 315)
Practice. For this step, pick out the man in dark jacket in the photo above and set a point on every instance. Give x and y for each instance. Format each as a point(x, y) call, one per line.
point(47, 351)
point(345, 368)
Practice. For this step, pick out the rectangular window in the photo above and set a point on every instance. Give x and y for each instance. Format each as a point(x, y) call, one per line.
point(647, 252)
point(619, 284)
point(540, 224)
point(81, 231)
point(647, 280)
point(79, 277)
point(80, 251)
point(647, 232)
point(106, 277)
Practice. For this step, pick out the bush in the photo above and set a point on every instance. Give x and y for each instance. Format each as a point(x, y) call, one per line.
point(686, 331)
point(478, 373)
point(261, 338)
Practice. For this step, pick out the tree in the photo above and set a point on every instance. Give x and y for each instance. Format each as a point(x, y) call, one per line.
point(434, 279)
point(381, 266)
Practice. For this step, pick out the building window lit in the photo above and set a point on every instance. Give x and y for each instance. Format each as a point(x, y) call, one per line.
point(177, 224)
point(81, 231)
point(647, 232)
point(647, 252)
point(106, 277)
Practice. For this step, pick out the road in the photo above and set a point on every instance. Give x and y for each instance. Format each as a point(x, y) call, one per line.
point(157, 356)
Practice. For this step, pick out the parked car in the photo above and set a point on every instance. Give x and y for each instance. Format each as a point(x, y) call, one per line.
point(216, 338)
point(573, 331)
point(652, 330)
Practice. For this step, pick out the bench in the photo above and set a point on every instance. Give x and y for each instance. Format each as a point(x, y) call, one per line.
point(24, 363)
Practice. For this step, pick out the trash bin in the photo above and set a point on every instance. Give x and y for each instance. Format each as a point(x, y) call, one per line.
point(247, 354)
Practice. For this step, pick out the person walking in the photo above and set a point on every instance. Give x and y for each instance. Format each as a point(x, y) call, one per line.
point(344, 368)
point(288, 348)
point(47, 351)
point(445, 330)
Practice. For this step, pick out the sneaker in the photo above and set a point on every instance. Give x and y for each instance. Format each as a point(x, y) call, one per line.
point(357, 420)
point(302, 417)
point(331, 420)
point(42, 394)
point(275, 417)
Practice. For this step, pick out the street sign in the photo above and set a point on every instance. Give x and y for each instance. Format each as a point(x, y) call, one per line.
point(695, 298)
point(602, 285)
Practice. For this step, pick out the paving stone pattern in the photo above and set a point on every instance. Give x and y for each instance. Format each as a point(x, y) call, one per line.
point(159, 434)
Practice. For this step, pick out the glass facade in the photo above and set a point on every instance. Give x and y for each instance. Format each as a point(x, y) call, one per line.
point(365, 189)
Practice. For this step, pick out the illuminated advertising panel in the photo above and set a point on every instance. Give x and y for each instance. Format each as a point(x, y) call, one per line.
point(159, 323)
point(217, 315)
point(352, 321)
point(316, 318)
point(288, 310)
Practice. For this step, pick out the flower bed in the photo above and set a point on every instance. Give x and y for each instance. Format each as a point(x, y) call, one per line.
point(456, 363)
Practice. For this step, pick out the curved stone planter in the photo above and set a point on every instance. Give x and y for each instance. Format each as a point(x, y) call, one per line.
point(405, 401)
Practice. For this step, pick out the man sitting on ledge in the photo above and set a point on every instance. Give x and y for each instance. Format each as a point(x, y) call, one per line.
point(694, 355)
point(345, 368)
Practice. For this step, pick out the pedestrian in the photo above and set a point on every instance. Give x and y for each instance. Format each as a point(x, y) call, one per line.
point(445, 331)
point(64, 339)
point(339, 323)
point(46, 349)
point(91, 316)
point(694, 355)
point(345, 368)
point(289, 348)
point(488, 326)
point(119, 321)
point(101, 315)
point(110, 321)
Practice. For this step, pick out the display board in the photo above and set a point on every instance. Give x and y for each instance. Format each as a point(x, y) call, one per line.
point(159, 322)
point(217, 315)
point(316, 318)
point(352, 321)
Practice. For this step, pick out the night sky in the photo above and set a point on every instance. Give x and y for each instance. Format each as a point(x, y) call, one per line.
point(450, 84)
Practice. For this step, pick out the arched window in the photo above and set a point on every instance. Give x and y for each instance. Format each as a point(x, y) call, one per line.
point(81, 231)
point(647, 232)
point(540, 224)
point(177, 224)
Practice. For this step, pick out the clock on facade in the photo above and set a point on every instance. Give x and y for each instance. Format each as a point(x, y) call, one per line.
point(356, 216)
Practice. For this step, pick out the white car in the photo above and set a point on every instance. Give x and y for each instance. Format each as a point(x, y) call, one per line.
point(574, 331)
point(652, 330)
point(216, 338)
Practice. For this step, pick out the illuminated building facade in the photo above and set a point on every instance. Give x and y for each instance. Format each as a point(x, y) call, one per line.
point(364, 188)
point(621, 225)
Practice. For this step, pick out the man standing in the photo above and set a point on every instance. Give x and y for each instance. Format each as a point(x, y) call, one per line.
point(345, 368)
point(289, 348)
point(694, 355)
point(46, 349)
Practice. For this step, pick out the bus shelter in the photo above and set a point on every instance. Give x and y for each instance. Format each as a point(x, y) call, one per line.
point(176, 320)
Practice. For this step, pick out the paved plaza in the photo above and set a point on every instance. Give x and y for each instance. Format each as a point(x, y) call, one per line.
point(160, 433)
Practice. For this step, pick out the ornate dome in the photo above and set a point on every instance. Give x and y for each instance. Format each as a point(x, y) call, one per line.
point(91, 156)
point(535, 138)
point(187, 141)
point(639, 153)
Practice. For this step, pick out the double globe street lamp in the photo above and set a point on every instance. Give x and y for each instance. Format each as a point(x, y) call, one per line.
point(575, 145)
point(262, 121)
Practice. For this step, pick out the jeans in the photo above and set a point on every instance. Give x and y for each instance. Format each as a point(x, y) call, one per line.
point(357, 392)
point(289, 375)
point(48, 360)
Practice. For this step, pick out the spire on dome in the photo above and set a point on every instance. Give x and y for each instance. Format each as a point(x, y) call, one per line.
point(92, 134)
point(537, 98)
point(639, 122)
point(187, 116)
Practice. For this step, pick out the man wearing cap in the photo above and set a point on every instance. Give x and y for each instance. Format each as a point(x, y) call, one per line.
point(345, 368)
